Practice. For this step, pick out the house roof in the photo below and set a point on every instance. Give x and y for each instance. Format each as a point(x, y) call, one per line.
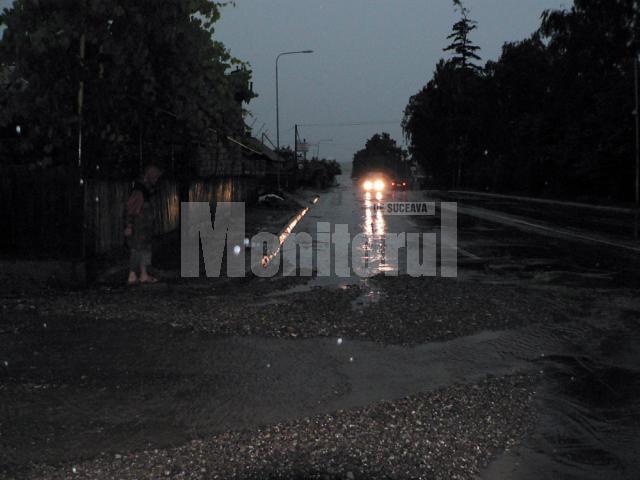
point(258, 148)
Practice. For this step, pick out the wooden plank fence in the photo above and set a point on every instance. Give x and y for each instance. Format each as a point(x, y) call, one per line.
point(41, 210)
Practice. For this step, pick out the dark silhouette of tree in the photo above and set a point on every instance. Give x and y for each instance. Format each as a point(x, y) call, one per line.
point(151, 76)
point(380, 154)
point(552, 116)
point(590, 47)
point(462, 46)
point(443, 121)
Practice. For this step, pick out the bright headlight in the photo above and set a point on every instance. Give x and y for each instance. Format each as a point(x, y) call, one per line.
point(378, 185)
point(367, 185)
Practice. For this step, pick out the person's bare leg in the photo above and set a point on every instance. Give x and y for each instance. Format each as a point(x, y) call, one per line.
point(133, 278)
point(145, 277)
point(134, 261)
point(144, 273)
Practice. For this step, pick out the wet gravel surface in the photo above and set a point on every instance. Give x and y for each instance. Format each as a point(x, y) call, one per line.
point(454, 432)
point(423, 309)
point(450, 433)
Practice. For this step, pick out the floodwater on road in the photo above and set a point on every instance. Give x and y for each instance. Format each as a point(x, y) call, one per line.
point(589, 413)
point(589, 402)
point(80, 382)
point(352, 208)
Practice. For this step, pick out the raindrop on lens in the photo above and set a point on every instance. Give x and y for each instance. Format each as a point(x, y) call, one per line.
point(236, 250)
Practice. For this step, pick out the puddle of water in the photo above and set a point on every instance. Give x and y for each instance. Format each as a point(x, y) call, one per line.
point(284, 234)
point(589, 425)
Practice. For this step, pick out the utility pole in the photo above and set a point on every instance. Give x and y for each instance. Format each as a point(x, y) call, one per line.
point(295, 155)
point(637, 114)
point(278, 92)
point(81, 97)
point(636, 60)
point(81, 170)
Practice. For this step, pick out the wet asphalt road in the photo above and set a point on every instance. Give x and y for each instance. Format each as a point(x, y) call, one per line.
point(177, 383)
point(349, 205)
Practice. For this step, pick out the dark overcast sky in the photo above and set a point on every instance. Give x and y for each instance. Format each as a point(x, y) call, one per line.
point(370, 57)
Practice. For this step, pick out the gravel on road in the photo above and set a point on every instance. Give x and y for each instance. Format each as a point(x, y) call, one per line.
point(446, 434)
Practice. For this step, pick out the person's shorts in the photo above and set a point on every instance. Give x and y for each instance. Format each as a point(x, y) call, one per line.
point(140, 258)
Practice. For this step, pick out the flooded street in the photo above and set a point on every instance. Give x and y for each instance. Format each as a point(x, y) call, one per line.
point(327, 240)
point(589, 368)
point(533, 346)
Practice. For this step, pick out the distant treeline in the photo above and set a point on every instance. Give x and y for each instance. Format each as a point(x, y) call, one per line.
point(381, 154)
point(553, 116)
point(315, 173)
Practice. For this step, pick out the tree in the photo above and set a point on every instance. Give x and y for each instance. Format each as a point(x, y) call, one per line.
point(464, 49)
point(445, 125)
point(381, 154)
point(153, 79)
point(591, 47)
point(550, 117)
point(444, 122)
point(319, 173)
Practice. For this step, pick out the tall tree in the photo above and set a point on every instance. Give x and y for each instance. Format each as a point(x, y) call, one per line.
point(447, 109)
point(590, 47)
point(461, 45)
point(151, 78)
point(551, 116)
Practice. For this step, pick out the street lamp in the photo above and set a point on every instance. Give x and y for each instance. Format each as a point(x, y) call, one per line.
point(278, 94)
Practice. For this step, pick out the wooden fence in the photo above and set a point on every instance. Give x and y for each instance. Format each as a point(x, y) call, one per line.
point(105, 203)
point(42, 211)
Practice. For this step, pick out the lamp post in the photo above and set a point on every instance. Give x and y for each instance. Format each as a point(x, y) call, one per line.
point(278, 93)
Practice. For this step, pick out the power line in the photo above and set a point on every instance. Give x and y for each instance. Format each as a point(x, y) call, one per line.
point(352, 124)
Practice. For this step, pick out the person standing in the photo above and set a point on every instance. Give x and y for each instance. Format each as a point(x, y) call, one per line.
point(140, 226)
